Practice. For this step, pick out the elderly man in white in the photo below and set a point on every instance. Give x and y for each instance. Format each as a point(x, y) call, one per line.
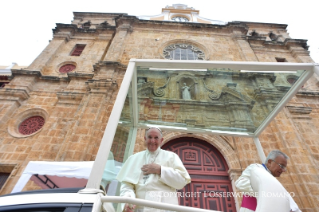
point(153, 174)
point(275, 164)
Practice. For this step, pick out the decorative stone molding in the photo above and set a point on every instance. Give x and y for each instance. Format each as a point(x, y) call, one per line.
point(145, 88)
point(16, 95)
point(159, 92)
point(13, 126)
point(106, 69)
point(125, 23)
point(212, 94)
point(80, 75)
point(250, 102)
point(101, 86)
point(69, 31)
point(16, 72)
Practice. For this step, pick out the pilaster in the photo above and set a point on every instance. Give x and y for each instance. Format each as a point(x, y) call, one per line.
point(116, 49)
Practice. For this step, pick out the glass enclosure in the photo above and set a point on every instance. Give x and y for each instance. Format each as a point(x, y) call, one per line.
point(229, 98)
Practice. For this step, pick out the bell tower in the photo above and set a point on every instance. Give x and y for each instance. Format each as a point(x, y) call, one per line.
point(181, 13)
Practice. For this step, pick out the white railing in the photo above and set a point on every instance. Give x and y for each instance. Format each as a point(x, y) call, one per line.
point(147, 203)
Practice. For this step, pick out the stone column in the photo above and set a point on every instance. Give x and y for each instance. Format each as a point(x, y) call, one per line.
point(244, 48)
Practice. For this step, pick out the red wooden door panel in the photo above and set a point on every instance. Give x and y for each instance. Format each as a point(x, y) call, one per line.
point(210, 187)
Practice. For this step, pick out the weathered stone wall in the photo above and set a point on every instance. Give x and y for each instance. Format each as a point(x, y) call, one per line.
point(77, 105)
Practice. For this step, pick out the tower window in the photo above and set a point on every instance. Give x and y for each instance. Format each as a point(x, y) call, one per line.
point(78, 49)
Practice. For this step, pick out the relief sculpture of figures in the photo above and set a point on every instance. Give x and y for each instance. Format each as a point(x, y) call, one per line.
point(186, 94)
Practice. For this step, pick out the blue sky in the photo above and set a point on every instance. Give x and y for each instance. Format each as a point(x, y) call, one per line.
point(26, 25)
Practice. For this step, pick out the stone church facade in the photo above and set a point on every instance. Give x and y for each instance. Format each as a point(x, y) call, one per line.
point(57, 108)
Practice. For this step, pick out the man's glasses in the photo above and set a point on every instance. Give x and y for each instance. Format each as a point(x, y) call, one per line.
point(281, 166)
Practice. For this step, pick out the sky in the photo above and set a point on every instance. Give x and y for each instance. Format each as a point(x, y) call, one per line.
point(26, 25)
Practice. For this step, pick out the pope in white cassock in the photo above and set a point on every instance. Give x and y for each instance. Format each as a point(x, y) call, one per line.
point(153, 174)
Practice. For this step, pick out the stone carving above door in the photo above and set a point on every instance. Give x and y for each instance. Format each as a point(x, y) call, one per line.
point(216, 99)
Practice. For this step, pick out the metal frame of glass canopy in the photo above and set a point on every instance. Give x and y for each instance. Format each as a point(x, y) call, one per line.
point(130, 79)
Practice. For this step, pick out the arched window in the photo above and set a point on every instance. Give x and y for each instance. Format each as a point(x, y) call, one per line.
point(182, 51)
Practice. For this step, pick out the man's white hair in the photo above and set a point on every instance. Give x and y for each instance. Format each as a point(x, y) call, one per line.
point(275, 153)
point(153, 128)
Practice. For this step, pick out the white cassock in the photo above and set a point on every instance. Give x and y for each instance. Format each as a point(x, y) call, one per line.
point(243, 185)
point(159, 188)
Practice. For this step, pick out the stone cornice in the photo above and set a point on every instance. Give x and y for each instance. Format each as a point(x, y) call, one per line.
point(10, 94)
point(125, 22)
point(196, 24)
point(68, 97)
point(102, 86)
point(79, 15)
point(16, 72)
point(24, 72)
point(100, 64)
point(68, 31)
point(291, 45)
point(80, 75)
point(256, 24)
point(299, 110)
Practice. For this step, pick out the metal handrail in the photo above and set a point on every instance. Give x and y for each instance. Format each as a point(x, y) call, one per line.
point(152, 204)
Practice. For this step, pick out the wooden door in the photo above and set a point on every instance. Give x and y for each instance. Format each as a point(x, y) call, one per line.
point(210, 187)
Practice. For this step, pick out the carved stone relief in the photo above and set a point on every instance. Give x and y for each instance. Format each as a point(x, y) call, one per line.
point(216, 99)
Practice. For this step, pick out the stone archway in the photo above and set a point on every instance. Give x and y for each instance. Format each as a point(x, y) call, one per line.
point(209, 171)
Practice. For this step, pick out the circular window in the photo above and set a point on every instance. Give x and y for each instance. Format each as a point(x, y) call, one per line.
point(67, 68)
point(31, 125)
point(27, 123)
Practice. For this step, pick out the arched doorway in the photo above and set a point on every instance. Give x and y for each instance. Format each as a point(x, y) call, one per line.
point(210, 187)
